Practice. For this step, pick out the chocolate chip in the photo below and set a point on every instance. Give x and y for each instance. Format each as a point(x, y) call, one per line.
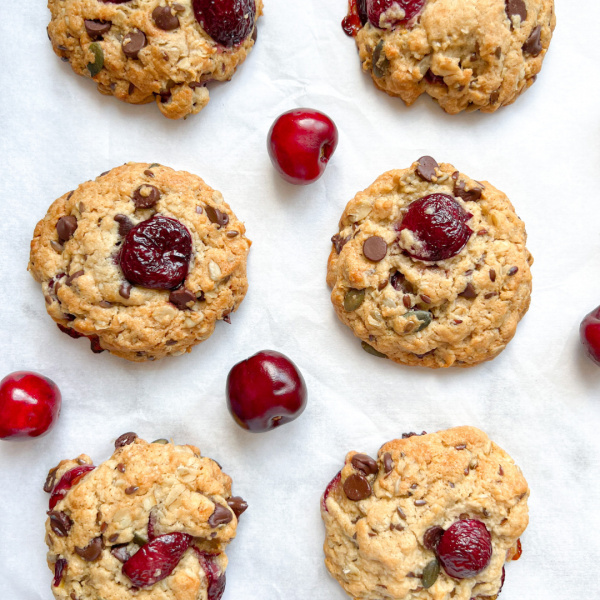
point(492, 274)
point(165, 96)
point(513, 270)
point(125, 439)
point(221, 516)
point(339, 242)
point(533, 45)
point(388, 463)
point(125, 290)
point(145, 196)
point(181, 298)
point(132, 489)
point(96, 29)
point(66, 227)
point(56, 247)
point(133, 42)
point(516, 8)
point(469, 292)
point(120, 553)
point(494, 96)
point(227, 318)
point(71, 278)
point(238, 505)
point(365, 464)
point(356, 487)
point(60, 523)
point(50, 480)
point(426, 168)
point(431, 77)
point(92, 551)
point(216, 216)
point(164, 18)
point(473, 194)
point(375, 248)
point(410, 434)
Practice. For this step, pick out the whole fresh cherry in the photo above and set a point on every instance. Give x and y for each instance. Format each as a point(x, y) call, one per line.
point(265, 391)
point(29, 405)
point(300, 144)
point(589, 331)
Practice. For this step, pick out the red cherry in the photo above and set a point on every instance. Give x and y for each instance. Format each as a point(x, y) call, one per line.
point(465, 549)
point(438, 225)
point(589, 332)
point(265, 391)
point(396, 8)
point(228, 22)
point(216, 580)
point(29, 405)
point(300, 144)
point(67, 481)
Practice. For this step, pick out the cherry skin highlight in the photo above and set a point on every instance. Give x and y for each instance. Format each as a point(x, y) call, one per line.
point(589, 332)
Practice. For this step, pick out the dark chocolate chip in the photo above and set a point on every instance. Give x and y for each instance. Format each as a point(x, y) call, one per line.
point(339, 242)
point(221, 516)
point(365, 464)
point(69, 280)
point(431, 77)
point(131, 89)
point(432, 538)
point(356, 487)
point(95, 346)
point(469, 292)
point(410, 434)
point(181, 298)
point(121, 553)
point(60, 523)
point(132, 489)
point(50, 480)
point(494, 96)
point(533, 45)
point(238, 505)
point(125, 290)
point(125, 439)
point(388, 463)
point(514, 8)
point(145, 196)
point(426, 168)
point(473, 194)
point(227, 318)
point(92, 551)
point(216, 216)
point(133, 42)
point(375, 248)
point(164, 18)
point(96, 29)
point(66, 227)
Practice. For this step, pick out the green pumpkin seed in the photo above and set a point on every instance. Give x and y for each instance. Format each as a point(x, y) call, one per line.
point(353, 299)
point(423, 316)
point(380, 61)
point(431, 573)
point(161, 441)
point(372, 350)
point(154, 165)
point(95, 67)
point(140, 540)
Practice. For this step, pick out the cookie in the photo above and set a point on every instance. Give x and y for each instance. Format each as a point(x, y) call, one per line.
point(430, 267)
point(155, 50)
point(466, 54)
point(152, 522)
point(434, 517)
point(143, 260)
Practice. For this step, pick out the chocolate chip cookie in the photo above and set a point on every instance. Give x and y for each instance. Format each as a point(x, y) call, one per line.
point(430, 267)
point(161, 50)
point(143, 261)
point(466, 54)
point(152, 522)
point(435, 516)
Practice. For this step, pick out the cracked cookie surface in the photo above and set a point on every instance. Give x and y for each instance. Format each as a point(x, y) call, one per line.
point(466, 54)
point(455, 311)
point(144, 494)
point(146, 50)
point(78, 250)
point(380, 515)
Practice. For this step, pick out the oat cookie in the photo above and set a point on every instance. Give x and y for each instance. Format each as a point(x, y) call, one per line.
point(466, 54)
point(162, 50)
point(434, 517)
point(152, 523)
point(430, 267)
point(143, 260)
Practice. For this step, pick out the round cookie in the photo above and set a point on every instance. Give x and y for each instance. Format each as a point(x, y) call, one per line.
point(162, 50)
point(143, 260)
point(430, 267)
point(389, 522)
point(152, 523)
point(466, 54)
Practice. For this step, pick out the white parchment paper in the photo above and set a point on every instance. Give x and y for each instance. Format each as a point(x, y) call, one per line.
point(539, 399)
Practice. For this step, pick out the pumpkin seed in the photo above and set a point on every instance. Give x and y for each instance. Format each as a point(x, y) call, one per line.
point(423, 316)
point(431, 573)
point(140, 540)
point(353, 299)
point(372, 350)
point(161, 441)
point(380, 61)
point(95, 67)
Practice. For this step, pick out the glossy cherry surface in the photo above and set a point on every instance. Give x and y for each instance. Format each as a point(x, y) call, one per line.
point(589, 332)
point(300, 144)
point(228, 22)
point(465, 549)
point(265, 391)
point(29, 405)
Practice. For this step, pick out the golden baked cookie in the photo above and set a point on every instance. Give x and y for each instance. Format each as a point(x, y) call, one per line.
point(434, 517)
point(162, 50)
point(430, 267)
point(152, 522)
point(143, 260)
point(466, 54)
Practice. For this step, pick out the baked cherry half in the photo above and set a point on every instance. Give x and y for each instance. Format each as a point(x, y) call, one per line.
point(438, 224)
point(465, 549)
point(300, 144)
point(386, 14)
point(156, 253)
point(589, 332)
point(228, 22)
